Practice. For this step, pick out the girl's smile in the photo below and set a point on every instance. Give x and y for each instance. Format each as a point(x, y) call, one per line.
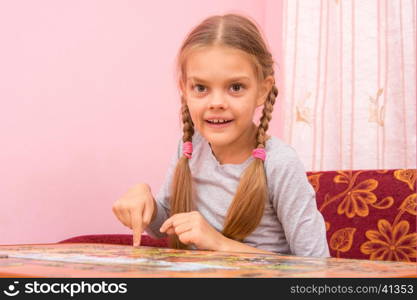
point(218, 122)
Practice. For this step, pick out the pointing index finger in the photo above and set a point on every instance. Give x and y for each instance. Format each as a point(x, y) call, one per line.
point(136, 218)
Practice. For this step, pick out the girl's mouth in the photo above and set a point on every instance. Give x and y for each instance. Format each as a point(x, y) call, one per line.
point(218, 124)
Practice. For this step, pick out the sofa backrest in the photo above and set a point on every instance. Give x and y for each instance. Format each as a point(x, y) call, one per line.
point(369, 214)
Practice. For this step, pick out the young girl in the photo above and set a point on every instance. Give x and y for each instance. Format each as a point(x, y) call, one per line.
point(230, 187)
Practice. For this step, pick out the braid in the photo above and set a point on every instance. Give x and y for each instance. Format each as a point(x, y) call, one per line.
point(188, 125)
point(181, 193)
point(266, 117)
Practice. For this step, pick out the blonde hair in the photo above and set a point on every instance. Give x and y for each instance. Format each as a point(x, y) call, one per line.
point(247, 207)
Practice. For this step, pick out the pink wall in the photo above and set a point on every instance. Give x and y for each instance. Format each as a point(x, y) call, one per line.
point(89, 106)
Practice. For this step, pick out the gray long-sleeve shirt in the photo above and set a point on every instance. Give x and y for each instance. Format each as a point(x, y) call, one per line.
point(291, 223)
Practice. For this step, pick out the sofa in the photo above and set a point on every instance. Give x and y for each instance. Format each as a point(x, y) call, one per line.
point(369, 214)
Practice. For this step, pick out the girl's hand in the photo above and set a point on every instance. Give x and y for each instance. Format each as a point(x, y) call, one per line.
point(136, 209)
point(193, 229)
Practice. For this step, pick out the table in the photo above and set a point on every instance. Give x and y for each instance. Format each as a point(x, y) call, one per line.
point(106, 260)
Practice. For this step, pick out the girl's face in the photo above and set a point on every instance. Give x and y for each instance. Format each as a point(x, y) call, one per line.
point(222, 93)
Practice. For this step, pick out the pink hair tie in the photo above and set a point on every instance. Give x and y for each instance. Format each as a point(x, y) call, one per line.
point(259, 153)
point(187, 149)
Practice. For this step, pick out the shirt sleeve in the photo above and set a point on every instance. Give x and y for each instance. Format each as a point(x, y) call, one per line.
point(295, 203)
point(162, 199)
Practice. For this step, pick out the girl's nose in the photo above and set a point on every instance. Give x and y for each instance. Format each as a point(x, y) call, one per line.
point(217, 101)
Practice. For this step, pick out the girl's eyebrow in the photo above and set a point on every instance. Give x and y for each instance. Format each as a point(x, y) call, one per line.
point(236, 78)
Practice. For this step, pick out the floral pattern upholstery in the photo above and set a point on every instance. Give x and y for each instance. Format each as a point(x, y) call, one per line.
point(369, 214)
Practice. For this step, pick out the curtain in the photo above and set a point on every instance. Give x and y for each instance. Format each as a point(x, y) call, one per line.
point(350, 83)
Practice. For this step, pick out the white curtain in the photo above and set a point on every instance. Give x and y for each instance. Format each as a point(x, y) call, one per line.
point(350, 83)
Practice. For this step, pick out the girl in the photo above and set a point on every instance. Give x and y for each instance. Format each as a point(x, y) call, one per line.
point(230, 186)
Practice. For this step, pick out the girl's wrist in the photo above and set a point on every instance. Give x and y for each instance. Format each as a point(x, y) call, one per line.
point(224, 245)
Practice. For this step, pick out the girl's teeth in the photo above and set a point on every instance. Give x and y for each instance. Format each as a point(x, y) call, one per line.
point(218, 121)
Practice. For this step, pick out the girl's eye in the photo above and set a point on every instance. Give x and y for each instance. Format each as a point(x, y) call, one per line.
point(199, 88)
point(236, 87)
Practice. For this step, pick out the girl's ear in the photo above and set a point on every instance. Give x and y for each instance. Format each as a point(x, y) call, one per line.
point(265, 88)
point(182, 87)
